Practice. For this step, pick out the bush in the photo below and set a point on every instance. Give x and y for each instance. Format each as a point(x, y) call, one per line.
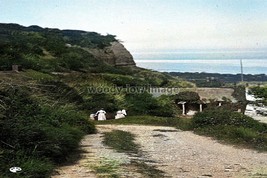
point(70, 117)
point(140, 103)
point(166, 107)
point(225, 117)
point(232, 127)
point(101, 100)
point(35, 137)
point(60, 91)
point(32, 167)
point(124, 80)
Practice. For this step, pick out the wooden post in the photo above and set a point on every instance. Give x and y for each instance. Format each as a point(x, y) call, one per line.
point(200, 108)
point(183, 104)
point(15, 68)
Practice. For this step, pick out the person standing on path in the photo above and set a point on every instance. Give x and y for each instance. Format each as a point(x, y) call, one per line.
point(101, 115)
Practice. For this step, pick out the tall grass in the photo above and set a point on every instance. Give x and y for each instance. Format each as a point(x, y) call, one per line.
point(36, 137)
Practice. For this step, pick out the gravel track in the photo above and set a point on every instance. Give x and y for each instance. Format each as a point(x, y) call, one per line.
point(180, 154)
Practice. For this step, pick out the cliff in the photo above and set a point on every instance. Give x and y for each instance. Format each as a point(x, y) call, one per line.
point(115, 54)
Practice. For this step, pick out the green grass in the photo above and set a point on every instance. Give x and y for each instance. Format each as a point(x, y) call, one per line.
point(38, 76)
point(147, 170)
point(123, 141)
point(106, 168)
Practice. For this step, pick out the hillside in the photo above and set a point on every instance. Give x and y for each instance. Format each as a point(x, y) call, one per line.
point(59, 50)
point(64, 76)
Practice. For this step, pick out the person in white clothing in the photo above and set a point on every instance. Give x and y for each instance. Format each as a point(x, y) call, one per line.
point(120, 114)
point(101, 115)
point(92, 116)
point(124, 112)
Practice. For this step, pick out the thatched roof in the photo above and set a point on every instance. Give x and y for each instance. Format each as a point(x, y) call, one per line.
point(206, 94)
point(216, 94)
point(213, 94)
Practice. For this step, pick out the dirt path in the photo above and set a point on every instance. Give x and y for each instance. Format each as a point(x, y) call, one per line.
point(177, 153)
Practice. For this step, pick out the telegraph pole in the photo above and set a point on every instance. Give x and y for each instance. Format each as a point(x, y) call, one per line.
point(241, 64)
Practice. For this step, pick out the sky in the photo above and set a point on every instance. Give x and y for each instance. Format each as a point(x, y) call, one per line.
point(152, 25)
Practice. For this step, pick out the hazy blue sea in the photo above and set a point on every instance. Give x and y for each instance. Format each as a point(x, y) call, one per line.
point(228, 61)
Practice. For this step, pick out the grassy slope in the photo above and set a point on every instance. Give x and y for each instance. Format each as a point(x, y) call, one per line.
point(39, 128)
point(62, 102)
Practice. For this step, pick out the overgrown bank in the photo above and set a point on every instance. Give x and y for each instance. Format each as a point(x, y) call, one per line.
point(35, 136)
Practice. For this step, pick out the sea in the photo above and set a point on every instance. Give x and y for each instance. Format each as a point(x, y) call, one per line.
point(209, 61)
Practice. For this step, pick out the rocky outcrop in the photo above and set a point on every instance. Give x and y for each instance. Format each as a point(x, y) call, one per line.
point(115, 54)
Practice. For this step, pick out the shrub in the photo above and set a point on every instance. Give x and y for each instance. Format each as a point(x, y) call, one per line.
point(61, 91)
point(231, 127)
point(124, 80)
point(32, 167)
point(166, 107)
point(140, 103)
point(35, 137)
point(225, 117)
point(70, 117)
point(101, 100)
point(239, 93)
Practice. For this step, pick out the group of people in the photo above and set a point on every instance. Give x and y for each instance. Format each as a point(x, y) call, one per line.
point(101, 115)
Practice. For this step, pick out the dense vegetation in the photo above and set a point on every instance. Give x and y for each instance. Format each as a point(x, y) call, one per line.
point(34, 136)
point(44, 108)
point(50, 49)
point(232, 127)
point(44, 116)
point(260, 92)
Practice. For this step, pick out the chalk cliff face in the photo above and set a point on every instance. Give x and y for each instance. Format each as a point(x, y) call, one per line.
point(115, 54)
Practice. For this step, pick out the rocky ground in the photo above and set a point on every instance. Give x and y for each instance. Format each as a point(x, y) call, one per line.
point(177, 153)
